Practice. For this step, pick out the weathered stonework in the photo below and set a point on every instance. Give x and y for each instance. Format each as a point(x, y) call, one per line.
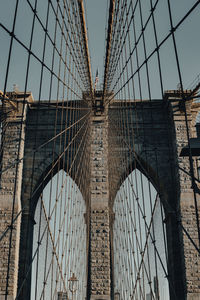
point(10, 196)
point(99, 235)
point(162, 132)
point(158, 134)
point(27, 135)
point(187, 195)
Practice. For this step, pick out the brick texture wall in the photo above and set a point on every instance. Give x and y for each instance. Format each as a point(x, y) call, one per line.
point(100, 241)
point(10, 194)
point(176, 189)
point(187, 196)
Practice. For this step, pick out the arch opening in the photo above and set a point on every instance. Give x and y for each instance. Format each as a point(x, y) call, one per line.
point(59, 240)
point(139, 241)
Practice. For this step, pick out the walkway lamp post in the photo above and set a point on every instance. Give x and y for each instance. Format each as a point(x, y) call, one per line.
point(73, 285)
point(62, 296)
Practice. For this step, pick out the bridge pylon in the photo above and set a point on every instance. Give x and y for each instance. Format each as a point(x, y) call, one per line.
point(164, 129)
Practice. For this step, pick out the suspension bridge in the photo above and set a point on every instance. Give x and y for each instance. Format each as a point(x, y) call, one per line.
point(100, 187)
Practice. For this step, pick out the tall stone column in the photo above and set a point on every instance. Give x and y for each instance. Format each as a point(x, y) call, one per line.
point(187, 195)
point(10, 194)
point(99, 223)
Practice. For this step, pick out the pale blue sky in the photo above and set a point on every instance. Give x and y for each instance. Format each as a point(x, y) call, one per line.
point(97, 14)
point(188, 43)
point(187, 36)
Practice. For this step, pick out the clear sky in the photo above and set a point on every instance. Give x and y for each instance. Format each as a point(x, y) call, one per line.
point(97, 15)
point(188, 43)
point(187, 37)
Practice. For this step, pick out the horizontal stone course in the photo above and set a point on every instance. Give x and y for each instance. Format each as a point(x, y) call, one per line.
point(100, 243)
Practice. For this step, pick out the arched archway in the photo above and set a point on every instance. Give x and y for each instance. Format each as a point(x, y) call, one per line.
point(134, 146)
point(139, 241)
point(52, 154)
point(59, 240)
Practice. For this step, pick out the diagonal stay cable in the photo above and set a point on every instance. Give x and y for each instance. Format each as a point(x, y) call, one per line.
point(168, 205)
point(154, 51)
point(53, 165)
point(44, 144)
point(47, 227)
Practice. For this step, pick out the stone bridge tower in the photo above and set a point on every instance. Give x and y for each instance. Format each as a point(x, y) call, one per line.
point(163, 129)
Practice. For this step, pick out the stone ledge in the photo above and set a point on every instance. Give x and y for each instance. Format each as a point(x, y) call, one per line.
point(2, 297)
point(193, 296)
point(101, 297)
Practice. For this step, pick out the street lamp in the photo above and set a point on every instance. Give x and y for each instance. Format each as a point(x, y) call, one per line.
point(73, 285)
point(62, 296)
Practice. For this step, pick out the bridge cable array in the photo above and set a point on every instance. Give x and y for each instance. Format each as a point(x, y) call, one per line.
point(53, 62)
point(63, 73)
point(134, 54)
